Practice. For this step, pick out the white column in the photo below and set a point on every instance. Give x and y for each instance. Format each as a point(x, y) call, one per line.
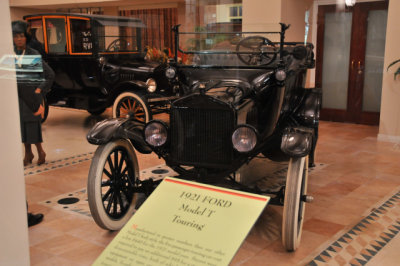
point(389, 126)
point(14, 246)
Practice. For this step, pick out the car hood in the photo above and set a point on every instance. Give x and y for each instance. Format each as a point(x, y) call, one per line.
point(139, 66)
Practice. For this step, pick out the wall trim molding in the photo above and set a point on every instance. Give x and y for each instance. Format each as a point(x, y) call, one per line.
point(388, 138)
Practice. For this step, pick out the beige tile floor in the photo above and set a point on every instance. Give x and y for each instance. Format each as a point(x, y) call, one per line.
point(359, 174)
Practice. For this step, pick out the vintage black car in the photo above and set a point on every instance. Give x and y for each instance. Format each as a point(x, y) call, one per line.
point(99, 61)
point(244, 97)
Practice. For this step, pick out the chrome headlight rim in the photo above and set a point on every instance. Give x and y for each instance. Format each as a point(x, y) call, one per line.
point(151, 85)
point(162, 125)
point(102, 60)
point(297, 141)
point(280, 74)
point(255, 136)
point(170, 72)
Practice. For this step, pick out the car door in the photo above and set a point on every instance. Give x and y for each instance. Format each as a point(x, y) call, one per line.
point(69, 51)
point(82, 61)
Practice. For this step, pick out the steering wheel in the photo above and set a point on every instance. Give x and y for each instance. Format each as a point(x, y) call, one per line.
point(256, 51)
point(116, 45)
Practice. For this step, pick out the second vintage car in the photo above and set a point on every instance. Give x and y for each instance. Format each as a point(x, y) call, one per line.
point(99, 61)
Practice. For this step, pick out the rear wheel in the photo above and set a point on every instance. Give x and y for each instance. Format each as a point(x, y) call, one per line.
point(112, 184)
point(294, 204)
point(131, 104)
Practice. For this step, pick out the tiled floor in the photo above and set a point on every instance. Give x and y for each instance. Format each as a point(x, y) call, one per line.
point(354, 219)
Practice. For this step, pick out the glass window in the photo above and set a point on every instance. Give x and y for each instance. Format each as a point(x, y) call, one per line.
point(233, 11)
point(335, 75)
point(81, 36)
point(56, 36)
point(37, 38)
point(374, 56)
point(118, 39)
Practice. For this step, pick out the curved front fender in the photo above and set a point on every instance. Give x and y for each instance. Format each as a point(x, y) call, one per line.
point(118, 128)
point(103, 131)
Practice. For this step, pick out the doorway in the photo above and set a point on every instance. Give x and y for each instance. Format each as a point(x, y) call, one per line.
point(350, 54)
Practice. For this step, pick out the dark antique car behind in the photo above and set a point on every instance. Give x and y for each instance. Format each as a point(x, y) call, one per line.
point(245, 96)
point(99, 62)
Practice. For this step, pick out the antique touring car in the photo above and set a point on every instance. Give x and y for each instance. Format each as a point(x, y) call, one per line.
point(244, 96)
point(99, 61)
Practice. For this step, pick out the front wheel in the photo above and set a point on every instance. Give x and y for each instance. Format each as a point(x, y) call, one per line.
point(112, 184)
point(294, 204)
point(131, 104)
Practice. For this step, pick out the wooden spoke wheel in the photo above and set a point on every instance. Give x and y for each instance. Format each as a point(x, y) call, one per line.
point(112, 184)
point(133, 105)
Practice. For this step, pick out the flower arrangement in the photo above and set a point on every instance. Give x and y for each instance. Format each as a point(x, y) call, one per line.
point(158, 55)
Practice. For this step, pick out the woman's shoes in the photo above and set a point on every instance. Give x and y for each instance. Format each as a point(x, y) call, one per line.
point(28, 159)
point(42, 158)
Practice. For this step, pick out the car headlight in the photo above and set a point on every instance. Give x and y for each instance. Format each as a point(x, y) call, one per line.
point(155, 133)
point(102, 60)
point(280, 75)
point(170, 72)
point(244, 138)
point(151, 85)
point(297, 142)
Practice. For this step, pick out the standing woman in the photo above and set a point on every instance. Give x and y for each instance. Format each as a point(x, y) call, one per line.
point(31, 129)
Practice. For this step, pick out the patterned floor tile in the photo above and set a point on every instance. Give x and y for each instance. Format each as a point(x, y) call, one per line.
point(367, 243)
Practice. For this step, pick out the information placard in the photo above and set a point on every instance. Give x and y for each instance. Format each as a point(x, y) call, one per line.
point(185, 223)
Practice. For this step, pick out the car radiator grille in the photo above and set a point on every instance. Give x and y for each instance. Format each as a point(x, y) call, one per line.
point(201, 137)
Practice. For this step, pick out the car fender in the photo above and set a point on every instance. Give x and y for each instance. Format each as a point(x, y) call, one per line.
point(118, 128)
point(309, 109)
point(129, 85)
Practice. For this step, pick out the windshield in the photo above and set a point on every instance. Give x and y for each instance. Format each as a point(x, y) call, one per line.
point(224, 48)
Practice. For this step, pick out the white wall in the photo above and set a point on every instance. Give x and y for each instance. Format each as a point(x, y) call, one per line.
point(258, 15)
point(389, 127)
point(293, 13)
point(223, 12)
point(32, 3)
point(17, 13)
point(14, 247)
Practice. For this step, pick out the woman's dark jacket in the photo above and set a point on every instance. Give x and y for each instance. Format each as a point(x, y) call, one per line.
point(28, 81)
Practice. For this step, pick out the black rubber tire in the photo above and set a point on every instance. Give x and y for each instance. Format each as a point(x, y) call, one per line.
point(294, 206)
point(112, 180)
point(133, 104)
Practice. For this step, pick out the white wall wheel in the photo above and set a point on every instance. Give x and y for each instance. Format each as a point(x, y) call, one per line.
point(294, 206)
point(131, 103)
point(112, 180)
